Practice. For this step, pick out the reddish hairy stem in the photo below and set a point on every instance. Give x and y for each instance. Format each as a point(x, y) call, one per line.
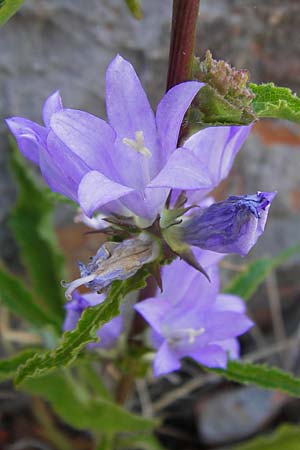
point(182, 45)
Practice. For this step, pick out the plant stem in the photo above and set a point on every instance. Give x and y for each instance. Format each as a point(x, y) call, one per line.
point(182, 45)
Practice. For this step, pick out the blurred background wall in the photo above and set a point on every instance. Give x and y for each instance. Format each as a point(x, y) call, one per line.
point(67, 44)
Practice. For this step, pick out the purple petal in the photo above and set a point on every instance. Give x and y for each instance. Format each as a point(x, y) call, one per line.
point(192, 303)
point(225, 324)
point(228, 302)
point(153, 310)
point(129, 111)
point(182, 171)
point(231, 346)
point(29, 135)
point(178, 269)
point(95, 190)
point(207, 258)
point(165, 361)
point(109, 333)
point(72, 167)
point(146, 204)
point(216, 148)
point(55, 176)
point(211, 356)
point(89, 137)
point(53, 104)
point(156, 339)
point(171, 111)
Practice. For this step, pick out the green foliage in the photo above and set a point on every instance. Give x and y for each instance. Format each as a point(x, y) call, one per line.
point(32, 223)
point(80, 409)
point(286, 437)
point(134, 7)
point(55, 197)
point(245, 284)
point(8, 8)
point(9, 366)
point(21, 302)
point(91, 320)
point(260, 375)
point(276, 102)
point(92, 379)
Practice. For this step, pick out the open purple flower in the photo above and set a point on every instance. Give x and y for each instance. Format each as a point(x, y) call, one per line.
point(192, 319)
point(128, 165)
point(108, 334)
point(230, 226)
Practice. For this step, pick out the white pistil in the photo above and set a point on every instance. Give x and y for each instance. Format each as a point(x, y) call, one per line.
point(75, 284)
point(138, 144)
point(181, 334)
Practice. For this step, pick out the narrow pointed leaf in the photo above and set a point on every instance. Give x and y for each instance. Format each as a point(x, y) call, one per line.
point(261, 376)
point(134, 7)
point(8, 8)
point(9, 366)
point(32, 223)
point(91, 320)
point(245, 284)
point(21, 302)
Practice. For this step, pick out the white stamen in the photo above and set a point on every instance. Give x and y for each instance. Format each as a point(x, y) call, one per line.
point(138, 144)
point(181, 334)
point(75, 284)
point(192, 334)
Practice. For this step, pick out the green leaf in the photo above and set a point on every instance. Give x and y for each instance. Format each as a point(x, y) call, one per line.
point(54, 197)
point(20, 301)
point(91, 320)
point(245, 284)
point(260, 375)
point(134, 7)
point(286, 437)
point(276, 102)
point(92, 379)
point(81, 411)
point(8, 8)
point(32, 223)
point(9, 366)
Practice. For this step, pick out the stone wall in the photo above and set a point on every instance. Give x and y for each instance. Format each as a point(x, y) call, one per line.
point(67, 44)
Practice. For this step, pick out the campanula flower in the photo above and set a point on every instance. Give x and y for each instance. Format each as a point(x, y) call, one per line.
point(108, 334)
point(115, 261)
point(128, 165)
point(230, 226)
point(190, 318)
